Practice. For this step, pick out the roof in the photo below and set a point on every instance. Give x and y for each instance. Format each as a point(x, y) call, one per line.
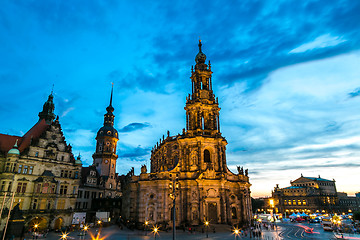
point(293, 187)
point(318, 179)
point(47, 173)
point(7, 141)
point(34, 133)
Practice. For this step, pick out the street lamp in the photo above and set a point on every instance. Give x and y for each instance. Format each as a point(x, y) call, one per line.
point(206, 223)
point(236, 232)
point(174, 186)
point(155, 230)
point(64, 235)
point(146, 226)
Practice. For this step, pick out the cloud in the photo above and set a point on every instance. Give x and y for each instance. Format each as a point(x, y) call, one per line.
point(320, 42)
point(134, 153)
point(354, 93)
point(134, 126)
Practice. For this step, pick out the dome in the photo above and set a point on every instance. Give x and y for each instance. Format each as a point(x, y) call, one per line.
point(200, 57)
point(14, 150)
point(108, 131)
point(78, 160)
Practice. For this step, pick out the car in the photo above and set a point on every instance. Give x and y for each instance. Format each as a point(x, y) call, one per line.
point(315, 220)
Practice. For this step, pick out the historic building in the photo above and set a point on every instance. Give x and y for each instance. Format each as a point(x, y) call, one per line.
point(310, 195)
point(100, 188)
point(193, 165)
point(38, 171)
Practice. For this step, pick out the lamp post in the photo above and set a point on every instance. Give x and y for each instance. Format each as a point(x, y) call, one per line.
point(206, 223)
point(85, 230)
point(146, 226)
point(35, 228)
point(174, 186)
point(64, 235)
point(236, 232)
point(155, 230)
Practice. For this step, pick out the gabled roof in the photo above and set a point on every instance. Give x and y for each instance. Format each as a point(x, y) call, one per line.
point(8, 141)
point(34, 133)
point(47, 173)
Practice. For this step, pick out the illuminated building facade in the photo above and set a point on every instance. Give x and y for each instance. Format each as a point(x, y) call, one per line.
point(196, 160)
point(41, 171)
point(306, 194)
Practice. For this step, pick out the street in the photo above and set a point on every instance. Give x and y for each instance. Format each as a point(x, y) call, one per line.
point(285, 231)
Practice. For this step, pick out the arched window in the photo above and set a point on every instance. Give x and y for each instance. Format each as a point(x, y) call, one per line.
point(207, 156)
point(233, 213)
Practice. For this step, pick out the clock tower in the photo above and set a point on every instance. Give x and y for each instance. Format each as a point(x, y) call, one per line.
point(105, 154)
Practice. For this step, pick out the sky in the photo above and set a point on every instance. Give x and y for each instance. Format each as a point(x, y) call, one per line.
point(287, 75)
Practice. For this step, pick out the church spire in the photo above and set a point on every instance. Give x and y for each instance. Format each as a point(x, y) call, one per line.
point(48, 110)
point(109, 116)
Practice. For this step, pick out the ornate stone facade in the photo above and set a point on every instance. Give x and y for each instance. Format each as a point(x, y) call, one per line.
point(41, 172)
point(196, 162)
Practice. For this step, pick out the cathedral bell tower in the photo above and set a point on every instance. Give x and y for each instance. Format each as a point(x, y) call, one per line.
point(202, 108)
point(106, 141)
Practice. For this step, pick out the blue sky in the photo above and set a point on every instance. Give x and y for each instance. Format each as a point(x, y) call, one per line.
point(286, 73)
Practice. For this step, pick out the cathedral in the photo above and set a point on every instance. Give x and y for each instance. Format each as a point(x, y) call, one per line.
point(189, 170)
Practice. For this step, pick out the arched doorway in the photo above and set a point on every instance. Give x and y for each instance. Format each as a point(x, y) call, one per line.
point(212, 212)
point(58, 223)
point(38, 224)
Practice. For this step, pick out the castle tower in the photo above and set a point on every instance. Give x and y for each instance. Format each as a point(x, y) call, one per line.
point(106, 142)
point(48, 110)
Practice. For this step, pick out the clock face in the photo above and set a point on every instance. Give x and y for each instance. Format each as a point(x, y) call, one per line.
point(106, 161)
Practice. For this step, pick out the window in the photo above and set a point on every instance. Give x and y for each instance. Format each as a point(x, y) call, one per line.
point(207, 156)
point(63, 189)
point(70, 174)
point(66, 173)
point(2, 186)
point(62, 158)
point(85, 204)
point(9, 187)
point(20, 168)
point(61, 204)
point(38, 188)
point(86, 194)
point(35, 204)
point(37, 154)
point(62, 173)
point(80, 194)
point(110, 186)
point(21, 187)
point(76, 175)
point(233, 213)
point(93, 195)
point(45, 188)
point(52, 188)
point(31, 168)
point(25, 170)
point(74, 190)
